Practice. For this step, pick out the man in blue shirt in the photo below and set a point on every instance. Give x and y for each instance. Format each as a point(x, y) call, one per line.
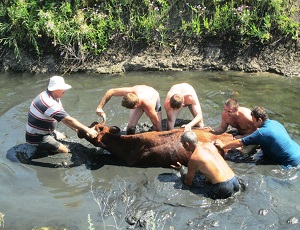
point(272, 137)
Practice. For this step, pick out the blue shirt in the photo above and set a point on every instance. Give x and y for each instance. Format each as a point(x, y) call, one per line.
point(275, 143)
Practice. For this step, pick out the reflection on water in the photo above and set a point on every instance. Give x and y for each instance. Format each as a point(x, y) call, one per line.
point(96, 189)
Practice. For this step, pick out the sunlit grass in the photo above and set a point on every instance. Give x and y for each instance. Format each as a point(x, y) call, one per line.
point(81, 30)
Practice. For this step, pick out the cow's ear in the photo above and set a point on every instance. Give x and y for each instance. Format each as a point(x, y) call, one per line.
point(94, 124)
point(114, 130)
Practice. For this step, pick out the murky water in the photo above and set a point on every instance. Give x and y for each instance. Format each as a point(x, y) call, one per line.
point(100, 193)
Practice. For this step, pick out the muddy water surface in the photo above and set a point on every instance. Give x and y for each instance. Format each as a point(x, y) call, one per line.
point(98, 192)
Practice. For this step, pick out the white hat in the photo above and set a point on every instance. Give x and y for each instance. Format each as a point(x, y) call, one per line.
point(57, 82)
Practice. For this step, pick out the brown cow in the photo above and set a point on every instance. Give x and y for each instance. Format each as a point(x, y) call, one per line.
point(156, 149)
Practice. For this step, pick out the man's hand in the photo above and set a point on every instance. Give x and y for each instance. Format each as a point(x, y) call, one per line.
point(187, 128)
point(219, 144)
point(92, 133)
point(101, 113)
point(182, 169)
point(177, 167)
point(210, 129)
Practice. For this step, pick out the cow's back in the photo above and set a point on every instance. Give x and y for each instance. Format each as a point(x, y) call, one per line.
point(151, 149)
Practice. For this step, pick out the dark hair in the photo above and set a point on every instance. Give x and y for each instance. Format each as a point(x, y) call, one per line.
point(176, 101)
point(260, 112)
point(130, 100)
point(232, 103)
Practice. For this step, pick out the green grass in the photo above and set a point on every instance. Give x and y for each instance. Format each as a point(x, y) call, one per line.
point(83, 30)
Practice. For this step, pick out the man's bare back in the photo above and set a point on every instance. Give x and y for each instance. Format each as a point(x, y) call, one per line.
point(209, 162)
point(189, 99)
point(206, 159)
point(139, 99)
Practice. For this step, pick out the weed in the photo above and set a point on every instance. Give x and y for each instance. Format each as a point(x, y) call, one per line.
point(81, 30)
point(115, 207)
point(2, 220)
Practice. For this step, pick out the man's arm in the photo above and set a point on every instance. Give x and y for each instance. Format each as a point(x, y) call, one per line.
point(229, 145)
point(109, 94)
point(152, 114)
point(196, 109)
point(192, 168)
point(223, 126)
point(187, 174)
point(171, 118)
point(76, 125)
point(241, 136)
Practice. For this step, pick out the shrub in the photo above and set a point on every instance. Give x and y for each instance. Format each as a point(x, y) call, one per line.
point(80, 30)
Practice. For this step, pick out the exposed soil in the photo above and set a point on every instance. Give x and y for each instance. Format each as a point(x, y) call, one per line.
point(280, 57)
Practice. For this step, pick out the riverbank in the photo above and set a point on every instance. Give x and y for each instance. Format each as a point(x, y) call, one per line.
point(280, 58)
point(235, 41)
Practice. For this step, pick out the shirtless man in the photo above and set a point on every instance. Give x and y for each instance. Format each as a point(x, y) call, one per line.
point(211, 164)
point(138, 99)
point(237, 117)
point(179, 96)
point(274, 140)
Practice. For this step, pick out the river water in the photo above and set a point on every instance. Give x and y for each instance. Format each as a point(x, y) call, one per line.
point(98, 192)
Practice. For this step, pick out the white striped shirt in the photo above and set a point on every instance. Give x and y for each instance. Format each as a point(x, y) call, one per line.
point(44, 113)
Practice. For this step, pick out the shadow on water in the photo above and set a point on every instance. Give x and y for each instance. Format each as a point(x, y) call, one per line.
point(92, 158)
point(201, 186)
point(95, 158)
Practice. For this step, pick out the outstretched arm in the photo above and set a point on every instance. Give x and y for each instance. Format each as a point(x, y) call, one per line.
point(108, 95)
point(76, 125)
point(223, 126)
point(229, 145)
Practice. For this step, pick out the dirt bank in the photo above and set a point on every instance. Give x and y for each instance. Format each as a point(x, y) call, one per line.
point(280, 57)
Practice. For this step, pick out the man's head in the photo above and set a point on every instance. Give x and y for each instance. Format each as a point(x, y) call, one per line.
point(231, 106)
point(58, 83)
point(189, 140)
point(259, 113)
point(130, 101)
point(176, 101)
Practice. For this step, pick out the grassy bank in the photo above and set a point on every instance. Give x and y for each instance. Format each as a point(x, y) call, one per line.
point(81, 30)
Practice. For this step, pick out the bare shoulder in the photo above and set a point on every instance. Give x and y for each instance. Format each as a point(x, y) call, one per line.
point(203, 149)
point(189, 88)
point(145, 88)
point(139, 87)
point(182, 88)
point(245, 111)
point(209, 147)
point(120, 91)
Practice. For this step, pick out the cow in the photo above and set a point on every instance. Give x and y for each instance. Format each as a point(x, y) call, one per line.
point(150, 149)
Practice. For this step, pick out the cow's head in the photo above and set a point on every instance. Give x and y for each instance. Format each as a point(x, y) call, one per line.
point(102, 129)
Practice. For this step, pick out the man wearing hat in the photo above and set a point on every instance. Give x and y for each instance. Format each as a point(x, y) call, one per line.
point(44, 113)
